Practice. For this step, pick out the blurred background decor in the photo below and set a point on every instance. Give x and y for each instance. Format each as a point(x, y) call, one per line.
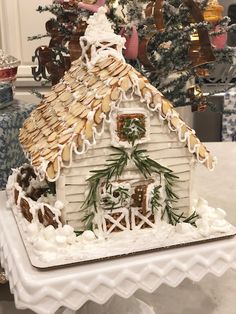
point(8, 71)
point(177, 44)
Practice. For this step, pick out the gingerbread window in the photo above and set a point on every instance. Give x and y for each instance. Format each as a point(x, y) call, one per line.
point(131, 126)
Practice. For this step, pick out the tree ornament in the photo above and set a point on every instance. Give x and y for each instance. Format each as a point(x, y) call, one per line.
point(149, 10)
point(195, 93)
point(219, 41)
point(200, 51)
point(213, 12)
point(92, 7)
point(132, 43)
point(202, 72)
point(143, 44)
point(64, 46)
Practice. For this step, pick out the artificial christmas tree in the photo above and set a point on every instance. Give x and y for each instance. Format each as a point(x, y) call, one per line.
point(175, 44)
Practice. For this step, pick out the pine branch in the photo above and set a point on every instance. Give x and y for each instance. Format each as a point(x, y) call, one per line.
point(155, 199)
point(88, 220)
point(133, 129)
point(114, 169)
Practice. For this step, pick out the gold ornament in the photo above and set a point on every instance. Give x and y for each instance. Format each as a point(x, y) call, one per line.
point(213, 12)
point(200, 51)
point(195, 93)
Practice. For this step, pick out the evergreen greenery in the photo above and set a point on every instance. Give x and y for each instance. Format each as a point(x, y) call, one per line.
point(133, 129)
point(114, 198)
point(167, 49)
point(147, 167)
point(114, 168)
point(155, 199)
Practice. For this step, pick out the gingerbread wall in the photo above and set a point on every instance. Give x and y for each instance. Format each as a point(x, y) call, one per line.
point(164, 147)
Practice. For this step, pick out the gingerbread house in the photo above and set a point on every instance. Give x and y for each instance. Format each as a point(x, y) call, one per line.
point(119, 154)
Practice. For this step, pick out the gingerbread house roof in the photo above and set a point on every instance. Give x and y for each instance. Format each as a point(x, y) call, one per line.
point(71, 115)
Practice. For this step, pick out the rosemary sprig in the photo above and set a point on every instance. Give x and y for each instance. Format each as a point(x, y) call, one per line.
point(147, 166)
point(110, 202)
point(88, 220)
point(155, 204)
point(114, 169)
point(192, 219)
point(133, 129)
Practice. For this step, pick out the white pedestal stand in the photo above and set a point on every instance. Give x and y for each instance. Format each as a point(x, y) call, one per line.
point(71, 287)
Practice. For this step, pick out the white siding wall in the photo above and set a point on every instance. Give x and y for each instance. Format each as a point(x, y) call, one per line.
point(164, 147)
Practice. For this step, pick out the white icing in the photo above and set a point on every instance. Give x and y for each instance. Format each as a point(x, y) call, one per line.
point(88, 235)
point(59, 205)
point(99, 31)
point(90, 116)
point(115, 141)
point(52, 245)
point(48, 201)
point(99, 39)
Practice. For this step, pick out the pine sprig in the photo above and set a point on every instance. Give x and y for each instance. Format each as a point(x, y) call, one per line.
point(147, 166)
point(133, 129)
point(88, 220)
point(155, 200)
point(192, 219)
point(113, 170)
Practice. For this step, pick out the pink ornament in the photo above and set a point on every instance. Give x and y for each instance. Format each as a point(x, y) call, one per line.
point(219, 41)
point(132, 43)
point(92, 7)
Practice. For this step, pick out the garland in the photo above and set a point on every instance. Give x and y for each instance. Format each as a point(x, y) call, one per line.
point(147, 167)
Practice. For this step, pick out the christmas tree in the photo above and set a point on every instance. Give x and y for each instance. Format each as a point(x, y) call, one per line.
point(176, 44)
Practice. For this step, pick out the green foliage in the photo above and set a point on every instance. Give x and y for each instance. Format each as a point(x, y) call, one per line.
point(147, 167)
point(133, 129)
point(114, 198)
point(51, 188)
point(114, 169)
point(166, 60)
point(155, 199)
point(88, 220)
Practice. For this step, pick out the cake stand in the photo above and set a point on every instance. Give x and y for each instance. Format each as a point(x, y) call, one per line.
point(46, 291)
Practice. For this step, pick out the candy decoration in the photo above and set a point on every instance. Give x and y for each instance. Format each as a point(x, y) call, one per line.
point(92, 7)
point(132, 43)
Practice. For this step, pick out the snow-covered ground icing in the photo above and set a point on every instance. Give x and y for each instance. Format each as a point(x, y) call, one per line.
point(61, 246)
